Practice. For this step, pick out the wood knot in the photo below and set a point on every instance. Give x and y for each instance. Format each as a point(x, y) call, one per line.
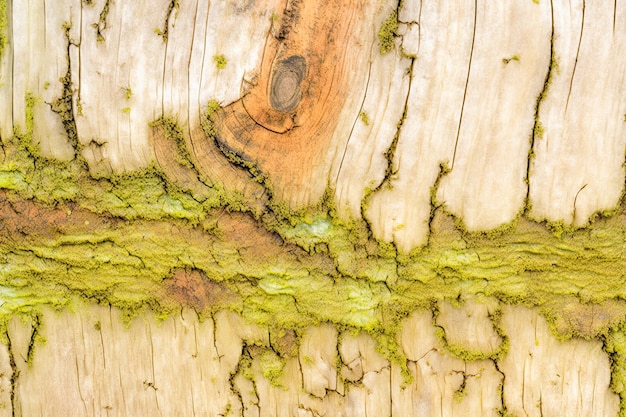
point(285, 92)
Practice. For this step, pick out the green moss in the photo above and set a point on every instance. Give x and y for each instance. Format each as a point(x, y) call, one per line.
point(387, 33)
point(35, 339)
point(173, 132)
point(102, 21)
point(460, 392)
point(538, 130)
point(323, 270)
point(559, 228)
point(466, 353)
point(220, 61)
point(25, 137)
point(164, 31)
point(364, 117)
point(615, 347)
point(63, 105)
point(207, 124)
point(505, 61)
point(272, 367)
point(3, 26)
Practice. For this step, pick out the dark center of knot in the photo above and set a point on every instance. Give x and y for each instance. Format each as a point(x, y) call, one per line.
point(285, 92)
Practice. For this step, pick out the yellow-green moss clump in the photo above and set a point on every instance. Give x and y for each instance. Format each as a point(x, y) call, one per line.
point(220, 61)
point(325, 270)
point(120, 240)
point(615, 346)
point(387, 33)
point(3, 27)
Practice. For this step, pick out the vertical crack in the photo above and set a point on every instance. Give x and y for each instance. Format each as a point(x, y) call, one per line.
point(104, 359)
point(503, 411)
point(63, 105)
point(15, 374)
point(391, 169)
point(537, 132)
point(469, 72)
point(214, 322)
point(204, 63)
point(237, 392)
point(164, 33)
point(193, 404)
point(34, 338)
point(444, 169)
point(614, 14)
point(79, 106)
point(152, 384)
point(524, 387)
point(391, 390)
point(580, 40)
point(101, 25)
point(356, 120)
point(189, 62)
point(574, 212)
point(45, 25)
point(80, 392)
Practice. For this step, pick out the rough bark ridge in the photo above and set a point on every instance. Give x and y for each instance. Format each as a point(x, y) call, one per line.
point(377, 209)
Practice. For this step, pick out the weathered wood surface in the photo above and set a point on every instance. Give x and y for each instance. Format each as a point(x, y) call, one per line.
point(94, 365)
point(525, 116)
point(340, 208)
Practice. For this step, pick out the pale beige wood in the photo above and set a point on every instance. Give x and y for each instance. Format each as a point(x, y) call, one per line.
point(6, 409)
point(443, 385)
point(176, 79)
point(369, 119)
point(94, 364)
point(32, 67)
point(200, 31)
point(359, 356)
point(470, 327)
point(486, 186)
point(318, 358)
point(469, 95)
point(544, 377)
point(578, 167)
point(6, 81)
point(114, 131)
point(428, 133)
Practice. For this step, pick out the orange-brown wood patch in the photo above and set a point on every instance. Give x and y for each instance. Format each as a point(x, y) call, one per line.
point(284, 125)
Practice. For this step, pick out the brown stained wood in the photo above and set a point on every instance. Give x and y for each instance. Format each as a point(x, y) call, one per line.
point(209, 168)
point(211, 164)
point(285, 123)
point(232, 231)
point(191, 287)
point(166, 152)
point(45, 222)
